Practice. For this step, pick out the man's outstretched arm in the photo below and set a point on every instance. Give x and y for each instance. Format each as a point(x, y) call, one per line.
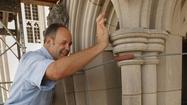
point(70, 64)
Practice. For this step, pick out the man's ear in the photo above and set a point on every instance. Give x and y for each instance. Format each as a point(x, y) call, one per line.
point(49, 42)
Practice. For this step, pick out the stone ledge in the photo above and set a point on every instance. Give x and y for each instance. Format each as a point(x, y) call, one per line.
point(130, 47)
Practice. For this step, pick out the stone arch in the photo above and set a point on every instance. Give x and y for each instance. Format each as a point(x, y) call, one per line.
point(150, 19)
point(170, 16)
point(141, 21)
point(100, 86)
point(82, 20)
point(98, 83)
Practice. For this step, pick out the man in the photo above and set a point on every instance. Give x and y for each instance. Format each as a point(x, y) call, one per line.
point(38, 70)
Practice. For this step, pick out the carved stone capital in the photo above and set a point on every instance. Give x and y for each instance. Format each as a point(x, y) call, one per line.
point(156, 40)
point(155, 45)
point(146, 41)
point(129, 40)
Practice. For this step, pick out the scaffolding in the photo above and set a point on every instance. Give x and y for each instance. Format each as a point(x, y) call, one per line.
point(10, 10)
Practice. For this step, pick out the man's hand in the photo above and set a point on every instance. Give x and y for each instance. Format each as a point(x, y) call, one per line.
point(102, 32)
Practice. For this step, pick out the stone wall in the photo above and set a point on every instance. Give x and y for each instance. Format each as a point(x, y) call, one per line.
point(143, 27)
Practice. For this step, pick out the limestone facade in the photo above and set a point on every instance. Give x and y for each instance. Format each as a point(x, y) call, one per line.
point(144, 27)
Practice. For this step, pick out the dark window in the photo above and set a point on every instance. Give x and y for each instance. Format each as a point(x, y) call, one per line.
point(29, 33)
point(27, 11)
point(37, 33)
point(35, 12)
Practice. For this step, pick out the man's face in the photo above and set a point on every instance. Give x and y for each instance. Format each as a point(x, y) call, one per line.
point(60, 45)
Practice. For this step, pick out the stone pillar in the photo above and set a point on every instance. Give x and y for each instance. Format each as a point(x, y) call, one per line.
point(170, 73)
point(130, 41)
point(155, 45)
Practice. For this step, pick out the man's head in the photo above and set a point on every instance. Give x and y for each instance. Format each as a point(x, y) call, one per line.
point(57, 40)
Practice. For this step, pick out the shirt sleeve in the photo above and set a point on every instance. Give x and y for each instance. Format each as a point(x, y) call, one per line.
point(36, 68)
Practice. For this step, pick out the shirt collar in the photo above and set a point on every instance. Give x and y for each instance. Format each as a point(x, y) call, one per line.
point(46, 53)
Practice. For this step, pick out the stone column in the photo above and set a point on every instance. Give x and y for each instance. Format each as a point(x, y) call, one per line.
point(130, 41)
point(170, 73)
point(155, 45)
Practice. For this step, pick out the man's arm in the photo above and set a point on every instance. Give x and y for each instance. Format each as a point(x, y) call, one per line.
point(70, 64)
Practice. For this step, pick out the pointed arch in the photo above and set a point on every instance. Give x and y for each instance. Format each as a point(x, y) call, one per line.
point(29, 33)
point(37, 33)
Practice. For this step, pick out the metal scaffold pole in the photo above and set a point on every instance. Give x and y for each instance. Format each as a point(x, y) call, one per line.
point(19, 39)
point(17, 47)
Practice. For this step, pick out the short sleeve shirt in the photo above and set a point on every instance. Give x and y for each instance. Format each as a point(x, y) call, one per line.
point(28, 87)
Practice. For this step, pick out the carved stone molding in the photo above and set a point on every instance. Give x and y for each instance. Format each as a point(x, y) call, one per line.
point(155, 45)
point(156, 40)
point(129, 40)
point(139, 75)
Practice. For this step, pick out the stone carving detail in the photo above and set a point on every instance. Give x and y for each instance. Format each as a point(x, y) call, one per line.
point(139, 76)
point(58, 14)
